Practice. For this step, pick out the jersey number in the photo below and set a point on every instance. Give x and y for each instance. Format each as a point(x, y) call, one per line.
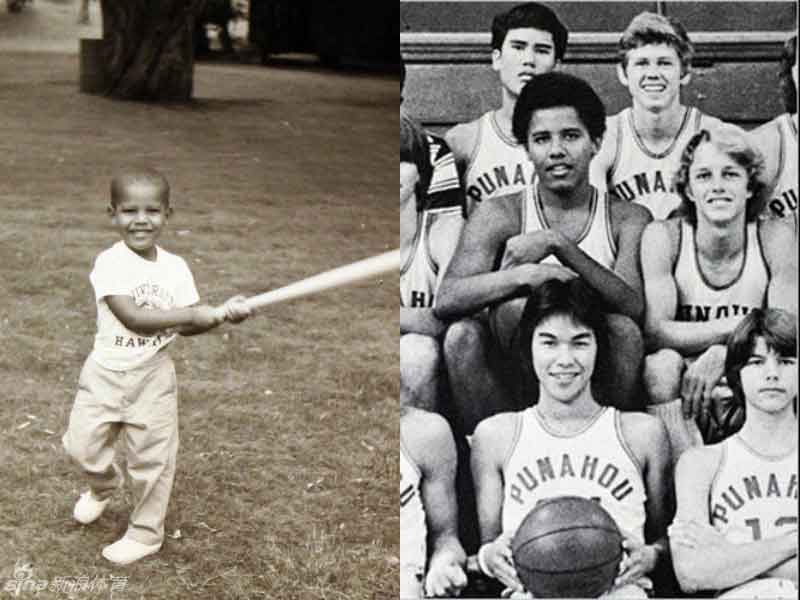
point(755, 525)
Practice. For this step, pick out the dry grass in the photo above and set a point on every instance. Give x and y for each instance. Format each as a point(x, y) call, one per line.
point(287, 471)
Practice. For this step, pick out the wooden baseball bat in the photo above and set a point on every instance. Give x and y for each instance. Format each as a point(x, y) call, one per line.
point(338, 277)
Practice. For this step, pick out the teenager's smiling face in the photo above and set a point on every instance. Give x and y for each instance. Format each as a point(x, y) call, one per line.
point(564, 354)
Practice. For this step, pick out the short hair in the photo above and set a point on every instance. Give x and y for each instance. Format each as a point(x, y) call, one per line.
point(734, 142)
point(788, 87)
point(651, 28)
point(556, 89)
point(776, 326)
point(145, 176)
point(415, 148)
point(530, 15)
point(574, 299)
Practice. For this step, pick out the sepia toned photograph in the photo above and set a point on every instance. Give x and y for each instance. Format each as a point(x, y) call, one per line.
point(198, 358)
point(598, 282)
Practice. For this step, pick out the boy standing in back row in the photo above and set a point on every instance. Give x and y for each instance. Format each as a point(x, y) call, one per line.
point(145, 297)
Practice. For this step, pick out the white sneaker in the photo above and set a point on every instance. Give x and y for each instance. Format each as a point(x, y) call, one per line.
point(125, 551)
point(88, 508)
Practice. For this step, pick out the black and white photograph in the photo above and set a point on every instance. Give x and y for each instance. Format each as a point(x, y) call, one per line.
point(598, 284)
point(197, 318)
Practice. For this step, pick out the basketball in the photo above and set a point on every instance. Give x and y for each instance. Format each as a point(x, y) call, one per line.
point(567, 547)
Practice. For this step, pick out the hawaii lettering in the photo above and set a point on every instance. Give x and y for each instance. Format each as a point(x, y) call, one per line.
point(694, 312)
point(751, 488)
point(606, 475)
point(137, 342)
point(785, 204)
point(642, 184)
point(490, 183)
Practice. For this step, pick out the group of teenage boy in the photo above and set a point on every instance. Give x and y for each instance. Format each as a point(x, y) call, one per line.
point(605, 307)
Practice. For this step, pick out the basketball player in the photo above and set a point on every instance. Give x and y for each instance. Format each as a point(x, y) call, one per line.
point(643, 143)
point(558, 228)
point(702, 273)
point(736, 523)
point(571, 443)
point(431, 217)
point(428, 510)
point(527, 40)
point(777, 140)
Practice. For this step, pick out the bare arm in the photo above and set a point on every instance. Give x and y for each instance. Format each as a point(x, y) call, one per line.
point(490, 444)
point(470, 282)
point(658, 251)
point(767, 139)
point(189, 320)
point(702, 557)
point(434, 451)
point(776, 237)
point(620, 288)
point(600, 167)
point(647, 437)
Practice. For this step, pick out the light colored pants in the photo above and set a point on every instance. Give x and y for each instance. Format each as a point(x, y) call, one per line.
point(141, 405)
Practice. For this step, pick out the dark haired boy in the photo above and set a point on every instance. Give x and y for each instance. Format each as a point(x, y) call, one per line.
point(558, 228)
point(527, 40)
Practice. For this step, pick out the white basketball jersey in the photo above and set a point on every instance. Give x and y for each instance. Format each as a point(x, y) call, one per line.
point(639, 175)
point(498, 165)
point(698, 300)
point(594, 463)
point(419, 272)
point(412, 529)
point(596, 239)
point(753, 497)
point(783, 202)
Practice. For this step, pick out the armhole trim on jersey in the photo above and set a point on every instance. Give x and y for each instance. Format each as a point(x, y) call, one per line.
point(679, 250)
point(761, 253)
point(781, 159)
point(473, 153)
point(426, 240)
point(612, 243)
point(624, 443)
point(421, 220)
point(518, 425)
point(617, 151)
point(718, 471)
point(410, 458)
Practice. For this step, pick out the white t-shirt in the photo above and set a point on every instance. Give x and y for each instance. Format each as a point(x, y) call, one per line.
point(162, 284)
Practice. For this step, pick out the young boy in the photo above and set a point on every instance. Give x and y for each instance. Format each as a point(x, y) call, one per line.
point(145, 297)
point(643, 143)
point(527, 40)
point(735, 527)
point(520, 458)
point(703, 272)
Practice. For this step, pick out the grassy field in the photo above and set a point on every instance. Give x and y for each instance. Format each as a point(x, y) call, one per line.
point(287, 472)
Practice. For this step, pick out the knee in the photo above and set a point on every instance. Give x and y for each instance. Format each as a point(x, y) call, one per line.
point(419, 357)
point(662, 375)
point(461, 339)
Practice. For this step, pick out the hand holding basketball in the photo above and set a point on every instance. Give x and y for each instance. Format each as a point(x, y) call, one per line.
point(445, 576)
point(639, 559)
point(497, 562)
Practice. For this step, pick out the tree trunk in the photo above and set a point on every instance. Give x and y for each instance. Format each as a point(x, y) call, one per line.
point(148, 48)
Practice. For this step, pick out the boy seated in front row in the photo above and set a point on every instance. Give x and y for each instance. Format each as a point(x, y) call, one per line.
point(145, 297)
point(735, 528)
